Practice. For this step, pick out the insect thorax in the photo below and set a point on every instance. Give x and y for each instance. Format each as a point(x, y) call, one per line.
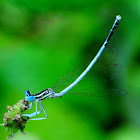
point(47, 93)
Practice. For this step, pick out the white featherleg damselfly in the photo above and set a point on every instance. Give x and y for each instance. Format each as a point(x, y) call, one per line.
point(49, 93)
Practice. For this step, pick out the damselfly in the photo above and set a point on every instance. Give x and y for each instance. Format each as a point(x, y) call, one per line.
point(49, 93)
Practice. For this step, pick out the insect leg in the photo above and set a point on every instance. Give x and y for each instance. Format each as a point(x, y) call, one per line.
point(30, 105)
point(41, 106)
point(32, 114)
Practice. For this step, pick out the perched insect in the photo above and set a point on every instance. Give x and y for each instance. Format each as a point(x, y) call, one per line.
point(49, 93)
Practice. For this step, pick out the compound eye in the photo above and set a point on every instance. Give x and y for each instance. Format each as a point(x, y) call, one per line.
point(28, 91)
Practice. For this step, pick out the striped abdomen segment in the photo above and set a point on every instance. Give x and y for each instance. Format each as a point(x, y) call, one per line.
point(116, 23)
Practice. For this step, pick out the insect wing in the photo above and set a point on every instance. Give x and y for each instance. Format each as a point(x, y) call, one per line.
point(101, 93)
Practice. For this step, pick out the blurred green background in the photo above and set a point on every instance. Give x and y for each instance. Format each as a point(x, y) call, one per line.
point(41, 40)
